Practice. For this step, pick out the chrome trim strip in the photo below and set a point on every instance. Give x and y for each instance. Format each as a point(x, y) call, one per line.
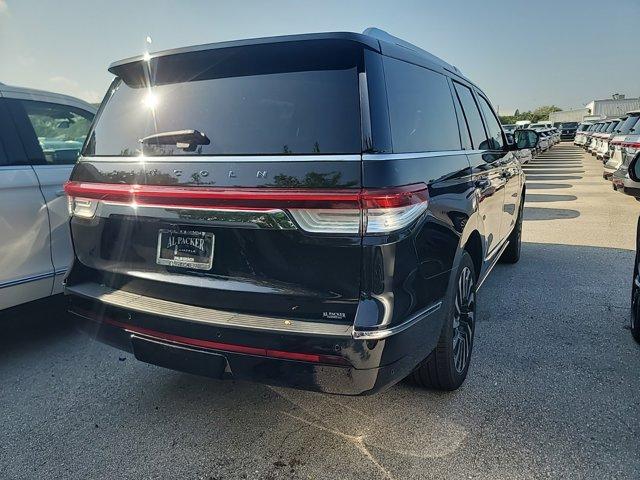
point(178, 311)
point(407, 156)
point(496, 256)
point(227, 158)
point(388, 332)
point(32, 278)
point(273, 219)
point(209, 316)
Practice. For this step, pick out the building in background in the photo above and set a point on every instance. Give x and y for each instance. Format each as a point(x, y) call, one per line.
point(606, 108)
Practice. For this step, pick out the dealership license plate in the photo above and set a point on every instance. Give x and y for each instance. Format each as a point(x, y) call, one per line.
point(185, 248)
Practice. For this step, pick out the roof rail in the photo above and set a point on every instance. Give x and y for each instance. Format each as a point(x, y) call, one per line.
point(379, 34)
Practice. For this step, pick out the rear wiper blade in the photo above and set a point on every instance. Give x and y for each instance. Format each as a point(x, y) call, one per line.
point(185, 139)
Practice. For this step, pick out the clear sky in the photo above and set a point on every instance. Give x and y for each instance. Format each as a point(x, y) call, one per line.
point(522, 53)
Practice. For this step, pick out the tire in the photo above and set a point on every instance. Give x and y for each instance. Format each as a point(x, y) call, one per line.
point(635, 314)
point(512, 252)
point(446, 367)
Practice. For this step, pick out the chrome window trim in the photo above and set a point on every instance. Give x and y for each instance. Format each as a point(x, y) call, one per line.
point(225, 158)
point(407, 156)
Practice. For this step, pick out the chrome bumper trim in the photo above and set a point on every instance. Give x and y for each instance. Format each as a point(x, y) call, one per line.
point(388, 332)
point(209, 316)
point(179, 311)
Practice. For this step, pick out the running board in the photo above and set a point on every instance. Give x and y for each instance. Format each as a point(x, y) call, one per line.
point(494, 261)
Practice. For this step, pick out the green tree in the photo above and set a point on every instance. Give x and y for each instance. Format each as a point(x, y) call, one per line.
point(538, 115)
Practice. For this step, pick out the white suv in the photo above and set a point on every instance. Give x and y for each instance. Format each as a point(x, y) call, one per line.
point(41, 135)
point(615, 145)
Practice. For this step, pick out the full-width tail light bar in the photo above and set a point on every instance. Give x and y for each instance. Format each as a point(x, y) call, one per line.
point(349, 211)
point(631, 144)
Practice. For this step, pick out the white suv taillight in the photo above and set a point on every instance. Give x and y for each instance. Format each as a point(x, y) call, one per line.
point(335, 211)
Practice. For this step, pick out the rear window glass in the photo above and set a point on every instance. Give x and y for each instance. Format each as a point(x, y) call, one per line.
point(421, 109)
point(635, 126)
point(569, 125)
point(290, 98)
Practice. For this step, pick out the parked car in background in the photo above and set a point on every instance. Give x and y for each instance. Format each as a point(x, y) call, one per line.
point(41, 135)
point(633, 172)
point(602, 145)
point(523, 137)
point(615, 145)
point(509, 128)
point(631, 144)
point(547, 136)
point(621, 179)
point(595, 137)
point(581, 133)
point(568, 130)
point(544, 140)
point(595, 128)
point(311, 230)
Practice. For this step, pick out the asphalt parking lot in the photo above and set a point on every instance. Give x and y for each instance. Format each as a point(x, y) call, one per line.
point(553, 390)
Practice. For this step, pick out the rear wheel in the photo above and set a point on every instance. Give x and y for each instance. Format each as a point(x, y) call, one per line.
point(512, 253)
point(446, 367)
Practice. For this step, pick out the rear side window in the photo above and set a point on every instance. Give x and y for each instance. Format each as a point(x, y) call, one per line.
point(493, 125)
point(472, 115)
point(289, 98)
point(60, 130)
point(421, 110)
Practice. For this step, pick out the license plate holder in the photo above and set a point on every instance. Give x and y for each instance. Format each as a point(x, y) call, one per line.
point(185, 249)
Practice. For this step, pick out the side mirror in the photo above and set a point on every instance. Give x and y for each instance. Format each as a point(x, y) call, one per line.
point(526, 139)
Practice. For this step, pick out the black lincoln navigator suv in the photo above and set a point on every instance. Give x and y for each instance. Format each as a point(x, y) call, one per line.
point(315, 211)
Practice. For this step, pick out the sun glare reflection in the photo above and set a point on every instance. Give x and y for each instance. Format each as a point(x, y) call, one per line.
point(150, 100)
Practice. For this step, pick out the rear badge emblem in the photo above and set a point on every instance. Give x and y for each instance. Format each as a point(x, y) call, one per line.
point(334, 315)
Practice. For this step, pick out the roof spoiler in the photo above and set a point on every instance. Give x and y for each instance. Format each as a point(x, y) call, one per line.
point(380, 34)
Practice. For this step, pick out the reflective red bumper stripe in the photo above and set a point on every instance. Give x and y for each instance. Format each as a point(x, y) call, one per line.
point(229, 347)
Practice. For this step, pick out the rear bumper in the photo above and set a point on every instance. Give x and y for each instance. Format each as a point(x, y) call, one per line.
point(327, 361)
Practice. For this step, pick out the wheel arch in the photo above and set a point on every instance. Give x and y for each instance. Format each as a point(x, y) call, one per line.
point(473, 247)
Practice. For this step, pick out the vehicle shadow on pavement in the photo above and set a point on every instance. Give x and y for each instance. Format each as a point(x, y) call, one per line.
point(545, 186)
point(535, 213)
point(35, 323)
point(534, 176)
point(538, 197)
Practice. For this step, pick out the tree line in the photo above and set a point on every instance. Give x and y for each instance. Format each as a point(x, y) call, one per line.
point(537, 115)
